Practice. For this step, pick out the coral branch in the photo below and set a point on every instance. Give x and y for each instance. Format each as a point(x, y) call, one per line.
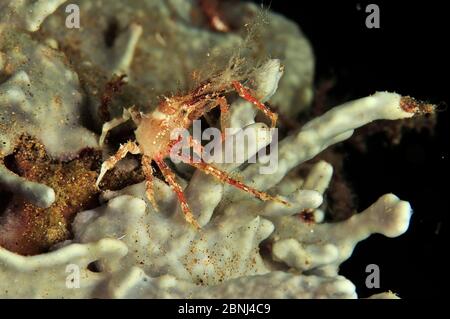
point(388, 216)
point(124, 49)
point(28, 13)
point(36, 193)
point(334, 126)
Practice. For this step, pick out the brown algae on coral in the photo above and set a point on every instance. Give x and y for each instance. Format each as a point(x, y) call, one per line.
point(28, 229)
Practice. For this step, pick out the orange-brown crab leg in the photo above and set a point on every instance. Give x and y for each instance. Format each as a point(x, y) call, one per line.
point(225, 178)
point(224, 115)
point(170, 179)
point(130, 113)
point(148, 173)
point(245, 94)
point(129, 147)
point(210, 7)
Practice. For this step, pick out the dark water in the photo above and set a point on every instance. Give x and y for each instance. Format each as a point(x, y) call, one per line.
point(409, 54)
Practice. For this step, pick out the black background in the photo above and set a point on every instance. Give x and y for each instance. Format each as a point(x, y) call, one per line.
point(409, 55)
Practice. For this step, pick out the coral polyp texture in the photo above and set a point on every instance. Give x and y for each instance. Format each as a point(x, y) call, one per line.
point(54, 82)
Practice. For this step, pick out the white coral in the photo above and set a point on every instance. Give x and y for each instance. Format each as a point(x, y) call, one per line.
point(166, 244)
point(323, 247)
point(48, 275)
point(227, 247)
point(134, 283)
point(173, 48)
point(148, 254)
point(28, 14)
point(167, 257)
point(40, 96)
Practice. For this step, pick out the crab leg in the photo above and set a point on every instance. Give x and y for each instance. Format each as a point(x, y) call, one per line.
point(129, 147)
point(224, 115)
point(245, 94)
point(148, 173)
point(170, 179)
point(211, 9)
point(108, 126)
point(225, 177)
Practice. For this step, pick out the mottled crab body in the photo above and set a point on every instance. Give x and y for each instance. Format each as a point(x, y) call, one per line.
point(154, 131)
point(155, 134)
